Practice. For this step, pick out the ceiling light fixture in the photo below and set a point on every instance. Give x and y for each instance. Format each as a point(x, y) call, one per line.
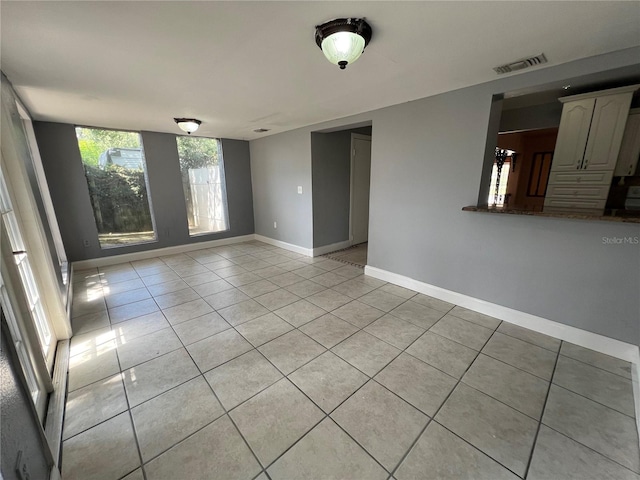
point(343, 40)
point(188, 125)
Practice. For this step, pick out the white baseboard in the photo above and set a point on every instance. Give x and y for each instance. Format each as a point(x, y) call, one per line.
point(331, 248)
point(635, 377)
point(287, 246)
point(583, 338)
point(131, 257)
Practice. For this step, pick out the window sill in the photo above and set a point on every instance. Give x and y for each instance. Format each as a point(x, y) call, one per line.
point(620, 216)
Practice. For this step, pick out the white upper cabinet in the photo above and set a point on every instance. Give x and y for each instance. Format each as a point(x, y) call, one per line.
point(607, 128)
point(630, 148)
point(573, 134)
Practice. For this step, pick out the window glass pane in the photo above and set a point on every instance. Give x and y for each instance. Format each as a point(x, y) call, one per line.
point(204, 184)
point(116, 174)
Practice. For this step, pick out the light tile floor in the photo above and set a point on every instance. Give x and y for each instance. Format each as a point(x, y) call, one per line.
point(356, 255)
point(252, 362)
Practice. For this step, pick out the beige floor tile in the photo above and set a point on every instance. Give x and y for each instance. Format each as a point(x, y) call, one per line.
point(557, 456)
point(212, 287)
point(328, 300)
point(167, 287)
point(139, 326)
point(475, 317)
point(176, 298)
point(227, 298)
point(395, 331)
point(366, 352)
point(117, 299)
point(257, 288)
point(164, 421)
point(467, 333)
point(494, 428)
point(187, 311)
point(92, 454)
point(241, 378)
point(274, 419)
point(599, 385)
point(156, 376)
point(89, 322)
point(147, 347)
point(382, 300)
point(282, 279)
point(385, 425)
point(603, 429)
point(530, 336)
point(517, 388)
point(605, 362)
point(421, 385)
point(442, 353)
point(432, 302)
point(242, 312)
point(398, 291)
point(216, 448)
point(93, 404)
point(199, 328)
point(307, 459)
point(218, 349)
point(277, 299)
point(446, 456)
point(417, 314)
point(329, 279)
point(328, 330)
point(355, 288)
point(132, 310)
point(305, 288)
point(93, 365)
point(291, 351)
point(523, 355)
point(299, 313)
point(263, 329)
point(358, 313)
point(328, 380)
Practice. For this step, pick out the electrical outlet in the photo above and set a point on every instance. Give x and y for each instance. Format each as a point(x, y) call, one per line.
point(299, 190)
point(86, 243)
point(21, 468)
point(275, 224)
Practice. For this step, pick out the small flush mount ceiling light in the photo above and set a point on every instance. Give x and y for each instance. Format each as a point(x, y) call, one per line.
point(343, 40)
point(188, 125)
point(261, 130)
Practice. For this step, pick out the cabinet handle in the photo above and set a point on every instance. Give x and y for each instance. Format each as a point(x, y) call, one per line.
point(586, 162)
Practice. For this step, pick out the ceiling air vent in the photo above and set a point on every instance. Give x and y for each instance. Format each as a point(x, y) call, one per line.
point(522, 63)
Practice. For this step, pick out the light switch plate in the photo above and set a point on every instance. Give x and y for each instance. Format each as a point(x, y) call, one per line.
point(299, 190)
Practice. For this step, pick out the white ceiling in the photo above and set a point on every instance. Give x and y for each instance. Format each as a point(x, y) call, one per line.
point(238, 66)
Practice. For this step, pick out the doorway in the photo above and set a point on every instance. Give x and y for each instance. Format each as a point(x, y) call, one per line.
point(360, 188)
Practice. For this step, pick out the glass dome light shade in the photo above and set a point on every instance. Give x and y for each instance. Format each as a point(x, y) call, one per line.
point(343, 40)
point(343, 47)
point(188, 125)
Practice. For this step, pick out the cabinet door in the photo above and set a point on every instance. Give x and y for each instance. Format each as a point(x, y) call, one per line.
point(605, 135)
point(630, 148)
point(572, 135)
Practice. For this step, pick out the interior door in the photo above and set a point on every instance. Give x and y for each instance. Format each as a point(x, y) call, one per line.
point(360, 187)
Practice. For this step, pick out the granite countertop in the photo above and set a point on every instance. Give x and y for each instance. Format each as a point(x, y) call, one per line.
point(621, 216)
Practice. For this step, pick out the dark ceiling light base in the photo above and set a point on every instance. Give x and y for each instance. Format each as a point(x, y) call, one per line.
point(188, 125)
point(343, 40)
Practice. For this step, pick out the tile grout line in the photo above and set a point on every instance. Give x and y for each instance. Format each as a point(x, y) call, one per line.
point(544, 407)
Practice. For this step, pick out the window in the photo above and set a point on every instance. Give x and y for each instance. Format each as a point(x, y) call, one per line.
point(204, 184)
point(115, 169)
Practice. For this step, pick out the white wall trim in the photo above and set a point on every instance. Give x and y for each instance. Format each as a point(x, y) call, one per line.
point(583, 338)
point(635, 378)
point(331, 248)
point(156, 252)
point(287, 246)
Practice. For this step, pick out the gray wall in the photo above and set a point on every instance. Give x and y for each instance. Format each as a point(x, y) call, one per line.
point(531, 118)
point(19, 428)
point(331, 177)
point(65, 176)
point(279, 164)
point(427, 158)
